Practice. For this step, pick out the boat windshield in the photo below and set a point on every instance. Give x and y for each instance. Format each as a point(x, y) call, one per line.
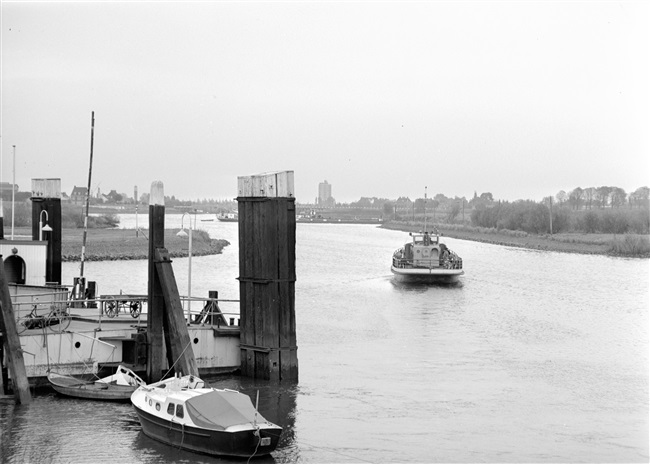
point(425, 239)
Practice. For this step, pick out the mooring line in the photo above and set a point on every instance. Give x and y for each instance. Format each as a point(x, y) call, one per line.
point(177, 359)
point(259, 440)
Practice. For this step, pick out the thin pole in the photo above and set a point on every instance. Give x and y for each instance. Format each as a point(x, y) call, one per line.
point(13, 197)
point(90, 172)
point(550, 207)
point(189, 275)
point(425, 209)
point(137, 228)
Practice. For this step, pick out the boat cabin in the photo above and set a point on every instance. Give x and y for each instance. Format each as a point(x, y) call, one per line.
point(425, 251)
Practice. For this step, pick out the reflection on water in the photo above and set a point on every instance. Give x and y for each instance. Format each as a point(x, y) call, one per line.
point(421, 287)
point(534, 357)
point(55, 428)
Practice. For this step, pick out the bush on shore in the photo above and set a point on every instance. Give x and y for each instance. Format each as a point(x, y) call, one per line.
point(124, 244)
point(71, 218)
point(535, 218)
point(630, 245)
point(75, 219)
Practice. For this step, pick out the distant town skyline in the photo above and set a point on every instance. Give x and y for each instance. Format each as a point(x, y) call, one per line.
point(520, 99)
point(602, 195)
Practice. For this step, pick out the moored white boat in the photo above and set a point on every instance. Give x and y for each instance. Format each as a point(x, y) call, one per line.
point(183, 412)
point(425, 259)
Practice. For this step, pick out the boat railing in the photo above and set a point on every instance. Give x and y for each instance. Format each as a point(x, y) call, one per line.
point(452, 261)
point(27, 301)
point(119, 309)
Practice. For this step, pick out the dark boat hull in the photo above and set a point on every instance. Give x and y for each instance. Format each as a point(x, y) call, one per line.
point(213, 442)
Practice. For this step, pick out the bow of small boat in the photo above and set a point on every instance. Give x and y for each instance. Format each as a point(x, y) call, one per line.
point(67, 381)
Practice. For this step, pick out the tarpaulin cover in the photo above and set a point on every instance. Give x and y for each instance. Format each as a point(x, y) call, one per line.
point(218, 410)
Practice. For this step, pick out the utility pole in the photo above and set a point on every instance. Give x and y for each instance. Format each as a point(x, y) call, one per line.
point(463, 203)
point(425, 210)
point(13, 197)
point(550, 202)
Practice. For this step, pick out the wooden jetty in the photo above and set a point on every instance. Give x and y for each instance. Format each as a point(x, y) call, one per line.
point(262, 345)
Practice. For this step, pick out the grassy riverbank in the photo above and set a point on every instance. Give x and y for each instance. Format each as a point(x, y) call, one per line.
point(123, 244)
point(629, 245)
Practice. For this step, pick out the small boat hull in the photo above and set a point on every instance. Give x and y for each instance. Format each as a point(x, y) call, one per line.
point(69, 386)
point(243, 443)
point(117, 387)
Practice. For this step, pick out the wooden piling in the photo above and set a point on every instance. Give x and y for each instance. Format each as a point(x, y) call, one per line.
point(155, 299)
point(267, 275)
point(12, 343)
point(166, 325)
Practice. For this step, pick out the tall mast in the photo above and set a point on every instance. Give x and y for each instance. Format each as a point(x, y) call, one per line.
point(425, 209)
point(13, 197)
point(90, 172)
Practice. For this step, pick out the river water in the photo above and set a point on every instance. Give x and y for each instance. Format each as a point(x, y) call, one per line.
point(534, 357)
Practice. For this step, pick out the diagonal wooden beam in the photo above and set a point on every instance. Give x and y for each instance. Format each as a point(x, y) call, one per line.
point(179, 342)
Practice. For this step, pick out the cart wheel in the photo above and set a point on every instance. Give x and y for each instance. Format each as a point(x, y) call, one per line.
point(58, 320)
point(23, 323)
point(136, 308)
point(111, 308)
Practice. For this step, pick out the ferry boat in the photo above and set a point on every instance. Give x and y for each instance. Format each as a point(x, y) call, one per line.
point(183, 412)
point(425, 259)
point(228, 217)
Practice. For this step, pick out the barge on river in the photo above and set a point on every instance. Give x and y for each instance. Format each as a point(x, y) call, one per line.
point(426, 259)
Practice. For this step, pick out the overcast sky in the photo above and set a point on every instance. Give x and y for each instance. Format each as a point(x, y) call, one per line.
point(520, 99)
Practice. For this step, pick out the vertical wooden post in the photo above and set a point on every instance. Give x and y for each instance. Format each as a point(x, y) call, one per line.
point(267, 275)
point(155, 299)
point(12, 342)
point(213, 307)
